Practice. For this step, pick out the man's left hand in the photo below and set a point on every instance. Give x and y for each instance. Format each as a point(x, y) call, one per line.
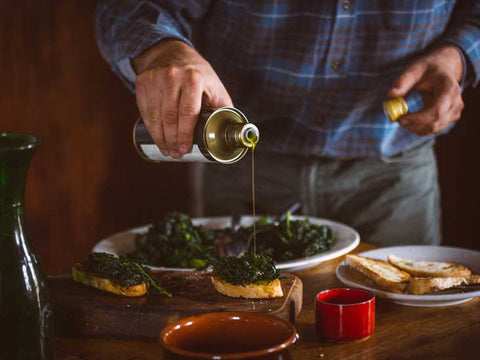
point(436, 76)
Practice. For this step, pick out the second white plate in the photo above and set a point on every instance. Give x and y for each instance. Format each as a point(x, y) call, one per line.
point(469, 258)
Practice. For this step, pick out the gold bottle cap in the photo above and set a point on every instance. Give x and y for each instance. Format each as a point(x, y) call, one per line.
point(395, 108)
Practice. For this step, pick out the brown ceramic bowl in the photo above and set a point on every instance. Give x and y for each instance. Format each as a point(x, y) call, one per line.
point(228, 335)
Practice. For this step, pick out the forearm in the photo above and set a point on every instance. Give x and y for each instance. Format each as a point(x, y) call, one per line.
point(126, 29)
point(178, 51)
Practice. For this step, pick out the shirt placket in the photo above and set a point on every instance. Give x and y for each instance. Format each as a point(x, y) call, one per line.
point(336, 65)
point(337, 58)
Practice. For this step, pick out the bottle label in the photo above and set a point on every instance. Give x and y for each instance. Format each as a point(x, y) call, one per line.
point(153, 153)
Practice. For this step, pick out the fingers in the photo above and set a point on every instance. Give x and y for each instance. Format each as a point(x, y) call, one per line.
point(444, 108)
point(189, 110)
point(194, 91)
point(169, 96)
point(408, 79)
point(169, 108)
point(217, 97)
point(149, 100)
point(440, 92)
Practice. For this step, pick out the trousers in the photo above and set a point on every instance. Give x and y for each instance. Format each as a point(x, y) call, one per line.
point(389, 201)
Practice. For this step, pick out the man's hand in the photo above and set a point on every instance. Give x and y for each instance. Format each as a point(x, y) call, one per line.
point(173, 81)
point(436, 77)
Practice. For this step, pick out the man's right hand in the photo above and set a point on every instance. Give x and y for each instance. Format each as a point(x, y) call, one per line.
point(173, 80)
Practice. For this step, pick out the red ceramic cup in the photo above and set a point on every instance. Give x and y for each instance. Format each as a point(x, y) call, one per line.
point(345, 314)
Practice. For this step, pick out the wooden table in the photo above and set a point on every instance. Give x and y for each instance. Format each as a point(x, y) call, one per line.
point(402, 332)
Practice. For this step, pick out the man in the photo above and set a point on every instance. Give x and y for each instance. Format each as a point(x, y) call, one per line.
point(312, 76)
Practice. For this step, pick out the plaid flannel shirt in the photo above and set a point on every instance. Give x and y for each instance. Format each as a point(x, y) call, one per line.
point(311, 75)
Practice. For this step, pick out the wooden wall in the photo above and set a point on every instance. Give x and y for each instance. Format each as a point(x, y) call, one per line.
point(86, 181)
point(458, 155)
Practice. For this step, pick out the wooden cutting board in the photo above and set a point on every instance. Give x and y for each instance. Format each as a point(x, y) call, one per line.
point(80, 310)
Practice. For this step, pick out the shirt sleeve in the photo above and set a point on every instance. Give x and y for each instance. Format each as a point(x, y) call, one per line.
point(464, 32)
point(126, 28)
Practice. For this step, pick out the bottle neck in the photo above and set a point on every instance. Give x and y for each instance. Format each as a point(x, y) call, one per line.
point(12, 184)
point(242, 135)
point(13, 173)
point(14, 163)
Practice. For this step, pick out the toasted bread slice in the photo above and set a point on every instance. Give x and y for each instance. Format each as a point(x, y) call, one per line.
point(429, 268)
point(106, 284)
point(474, 279)
point(251, 291)
point(384, 274)
point(422, 285)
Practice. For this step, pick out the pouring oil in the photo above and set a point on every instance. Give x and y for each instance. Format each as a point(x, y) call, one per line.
point(253, 140)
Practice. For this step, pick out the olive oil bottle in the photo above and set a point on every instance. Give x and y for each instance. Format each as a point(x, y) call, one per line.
point(25, 312)
point(224, 136)
point(399, 106)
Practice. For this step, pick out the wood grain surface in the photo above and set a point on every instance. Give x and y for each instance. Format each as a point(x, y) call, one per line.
point(84, 311)
point(401, 332)
point(86, 181)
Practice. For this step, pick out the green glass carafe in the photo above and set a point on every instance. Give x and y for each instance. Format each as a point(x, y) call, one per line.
point(25, 308)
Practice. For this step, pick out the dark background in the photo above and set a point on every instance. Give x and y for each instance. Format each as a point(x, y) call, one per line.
point(86, 180)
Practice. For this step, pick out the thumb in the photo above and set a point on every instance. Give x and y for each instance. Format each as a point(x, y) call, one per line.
point(408, 79)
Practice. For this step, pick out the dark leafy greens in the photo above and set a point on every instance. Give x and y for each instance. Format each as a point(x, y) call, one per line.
point(175, 242)
point(120, 271)
point(291, 239)
point(246, 269)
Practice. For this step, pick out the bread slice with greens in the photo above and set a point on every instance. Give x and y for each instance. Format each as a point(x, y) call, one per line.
point(382, 273)
point(422, 268)
point(89, 279)
point(119, 276)
point(250, 276)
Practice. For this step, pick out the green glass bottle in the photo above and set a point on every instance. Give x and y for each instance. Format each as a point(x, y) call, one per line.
point(25, 309)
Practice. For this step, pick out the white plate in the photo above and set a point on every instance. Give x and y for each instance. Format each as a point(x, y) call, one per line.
point(346, 239)
point(469, 258)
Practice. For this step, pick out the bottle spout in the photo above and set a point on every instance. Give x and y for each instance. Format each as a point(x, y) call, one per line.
point(249, 135)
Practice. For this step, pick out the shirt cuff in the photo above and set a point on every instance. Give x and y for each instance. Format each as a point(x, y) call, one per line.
point(466, 67)
point(125, 68)
point(469, 47)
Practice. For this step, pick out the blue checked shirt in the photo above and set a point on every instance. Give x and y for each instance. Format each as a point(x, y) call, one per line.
point(311, 75)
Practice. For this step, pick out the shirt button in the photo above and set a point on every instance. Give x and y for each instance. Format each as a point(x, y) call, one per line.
point(336, 65)
point(346, 4)
point(320, 120)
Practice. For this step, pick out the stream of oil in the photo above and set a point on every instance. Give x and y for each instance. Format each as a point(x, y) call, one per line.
point(253, 140)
